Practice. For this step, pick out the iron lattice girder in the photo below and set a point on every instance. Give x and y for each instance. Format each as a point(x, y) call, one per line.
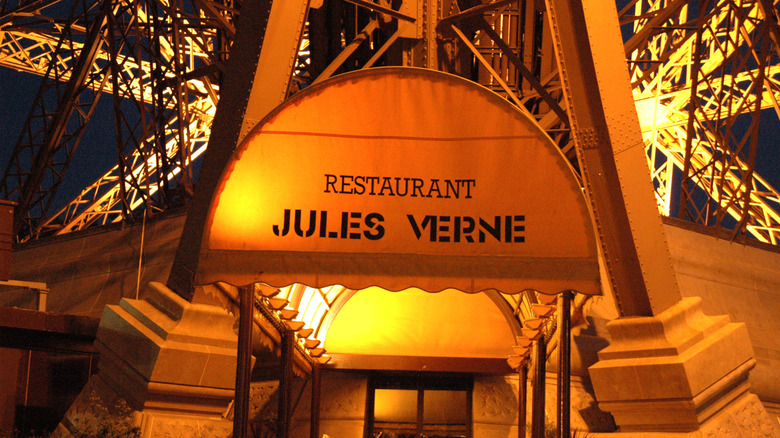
point(660, 53)
point(162, 67)
point(698, 107)
point(124, 188)
point(56, 122)
point(101, 197)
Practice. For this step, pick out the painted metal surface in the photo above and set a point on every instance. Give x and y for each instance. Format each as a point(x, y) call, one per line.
point(564, 364)
point(241, 99)
point(539, 386)
point(720, 176)
point(241, 413)
point(705, 77)
point(611, 153)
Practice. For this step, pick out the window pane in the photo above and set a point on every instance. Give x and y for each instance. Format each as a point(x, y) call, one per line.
point(445, 407)
point(395, 413)
point(395, 405)
point(445, 414)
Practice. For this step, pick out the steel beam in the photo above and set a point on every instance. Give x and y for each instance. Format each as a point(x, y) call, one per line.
point(564, 364)
point(316, 395)
point(611, 154)
point(285, 410)
point(58, 130)
point(243, 362)
point(522, 398)
point(540, 383)
point(248, 94)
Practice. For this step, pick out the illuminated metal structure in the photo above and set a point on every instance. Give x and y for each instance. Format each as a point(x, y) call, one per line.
point(161, 65)
point(704, 75)
point(704, 78)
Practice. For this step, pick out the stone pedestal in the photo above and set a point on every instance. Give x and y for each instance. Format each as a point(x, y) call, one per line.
point(167, 365)
point(680, 371)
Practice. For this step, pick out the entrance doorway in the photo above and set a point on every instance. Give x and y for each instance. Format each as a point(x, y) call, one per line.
point(420, 406)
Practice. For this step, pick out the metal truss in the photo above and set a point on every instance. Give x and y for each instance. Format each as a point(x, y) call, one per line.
point(64, 105)
point(505, 41)
point(159, 61)
point(704, 74)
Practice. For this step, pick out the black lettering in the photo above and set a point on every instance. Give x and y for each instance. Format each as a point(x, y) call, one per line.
point(344, 224)
point(345, 184)
point(286, 226)
point(434, 187)
point(398, 186)
point(383, 186)
point(494, 230)
point(444, 228)
point(419, 229)
point(312, 223)
point(373, 180)
point(434, 229)
point(330, 182)
point(360, 183)
point(468, 228)
point(417, 185)
point(323, 223)
point(519, 228)
point(375, 230)
point(452, 187)
point(354, 215)
point(469, 184)
point(386, 186)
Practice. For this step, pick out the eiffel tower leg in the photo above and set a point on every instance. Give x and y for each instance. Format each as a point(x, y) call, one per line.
point(669, 367)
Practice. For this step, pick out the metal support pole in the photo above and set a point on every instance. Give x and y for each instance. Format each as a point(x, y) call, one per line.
point(521, 400)
point(537, 406)
point(243, 363)
point(316, 387)
point(285, 385)
point(564, 364)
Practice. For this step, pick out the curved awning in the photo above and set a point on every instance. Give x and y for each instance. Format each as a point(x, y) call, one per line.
point(400, 178)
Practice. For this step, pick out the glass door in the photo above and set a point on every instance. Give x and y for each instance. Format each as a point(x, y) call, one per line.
point(420, 407)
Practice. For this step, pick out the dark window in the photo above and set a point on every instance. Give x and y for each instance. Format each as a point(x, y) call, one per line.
point(419, 406)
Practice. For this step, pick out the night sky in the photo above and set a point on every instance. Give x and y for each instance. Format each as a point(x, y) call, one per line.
point(94, 156)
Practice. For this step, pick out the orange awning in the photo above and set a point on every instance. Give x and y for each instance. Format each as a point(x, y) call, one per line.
point(400, 178)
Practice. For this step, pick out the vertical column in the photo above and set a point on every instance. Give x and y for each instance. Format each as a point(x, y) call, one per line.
point(243, 363)
point(420, 413)
point(285, 385)
point(521, 399)
point(591, 59)
point(537, 407)
point(564, 363)
point(256, 82)
point(316, 388)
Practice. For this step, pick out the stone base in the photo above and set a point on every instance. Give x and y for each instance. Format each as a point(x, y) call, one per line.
point(679, 372)
point(167, 368)
point(744, 417)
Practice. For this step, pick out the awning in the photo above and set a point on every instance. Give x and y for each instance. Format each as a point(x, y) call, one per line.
point(400, 178)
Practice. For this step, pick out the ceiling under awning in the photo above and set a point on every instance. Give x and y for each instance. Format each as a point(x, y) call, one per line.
point(400, 178)
point(413, 323)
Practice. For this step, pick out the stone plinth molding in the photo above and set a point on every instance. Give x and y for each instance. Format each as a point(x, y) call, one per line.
point(171, 362)
point(674, 371)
